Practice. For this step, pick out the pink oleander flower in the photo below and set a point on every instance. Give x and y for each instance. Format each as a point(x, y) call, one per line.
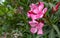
point(36, 11)
point(36, 27)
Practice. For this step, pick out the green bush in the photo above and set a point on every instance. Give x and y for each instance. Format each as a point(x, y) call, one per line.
point(14, 20)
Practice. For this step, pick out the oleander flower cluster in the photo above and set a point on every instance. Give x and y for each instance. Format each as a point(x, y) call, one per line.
point(36, 12)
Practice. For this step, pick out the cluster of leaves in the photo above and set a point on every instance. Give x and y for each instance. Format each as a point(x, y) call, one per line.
point(13, 19)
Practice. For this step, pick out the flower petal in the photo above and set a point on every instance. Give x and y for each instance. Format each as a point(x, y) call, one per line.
point(28, 15)
point(33, 23)
point(33, 16)
point(40, 15)
point(44, 10)
point(40, 31)
point(33, 6)
point(40, 25)
point(36, 11)
point(33, 30)
point(41, 7)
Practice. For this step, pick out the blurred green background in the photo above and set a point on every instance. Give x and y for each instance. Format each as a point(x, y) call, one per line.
point(14, 20)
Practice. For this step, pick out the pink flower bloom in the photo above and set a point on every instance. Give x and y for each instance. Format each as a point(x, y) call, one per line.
point(36, 27)
point(36, 11)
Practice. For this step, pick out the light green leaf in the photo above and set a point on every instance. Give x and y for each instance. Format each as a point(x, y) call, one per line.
point(57, 30)
point(51, 34)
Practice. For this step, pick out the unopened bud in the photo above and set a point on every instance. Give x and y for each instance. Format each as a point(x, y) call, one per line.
point(55, 9)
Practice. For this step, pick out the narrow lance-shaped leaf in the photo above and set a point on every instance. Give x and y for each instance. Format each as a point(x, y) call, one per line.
point(57, 30)
point(51, 34)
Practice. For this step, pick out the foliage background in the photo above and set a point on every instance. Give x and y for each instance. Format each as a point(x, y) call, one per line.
point(14, 20)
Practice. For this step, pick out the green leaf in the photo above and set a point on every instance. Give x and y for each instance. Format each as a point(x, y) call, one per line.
point(51, 34)
point(57, 30)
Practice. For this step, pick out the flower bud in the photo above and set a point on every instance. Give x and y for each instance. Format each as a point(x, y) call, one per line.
point(55, 9)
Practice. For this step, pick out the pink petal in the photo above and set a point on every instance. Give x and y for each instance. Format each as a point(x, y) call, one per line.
point(29, 15)
point(36, 10)
point(33, 6)
point(33, 30)
point(39, 15)
point(33, 16)
point(41, 7)
point(41, 2)
point(33, 23)
point(44, 10)
point(40, 31)
point(40, 25)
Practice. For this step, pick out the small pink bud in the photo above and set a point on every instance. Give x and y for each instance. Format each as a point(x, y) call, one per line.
point(55, 9)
